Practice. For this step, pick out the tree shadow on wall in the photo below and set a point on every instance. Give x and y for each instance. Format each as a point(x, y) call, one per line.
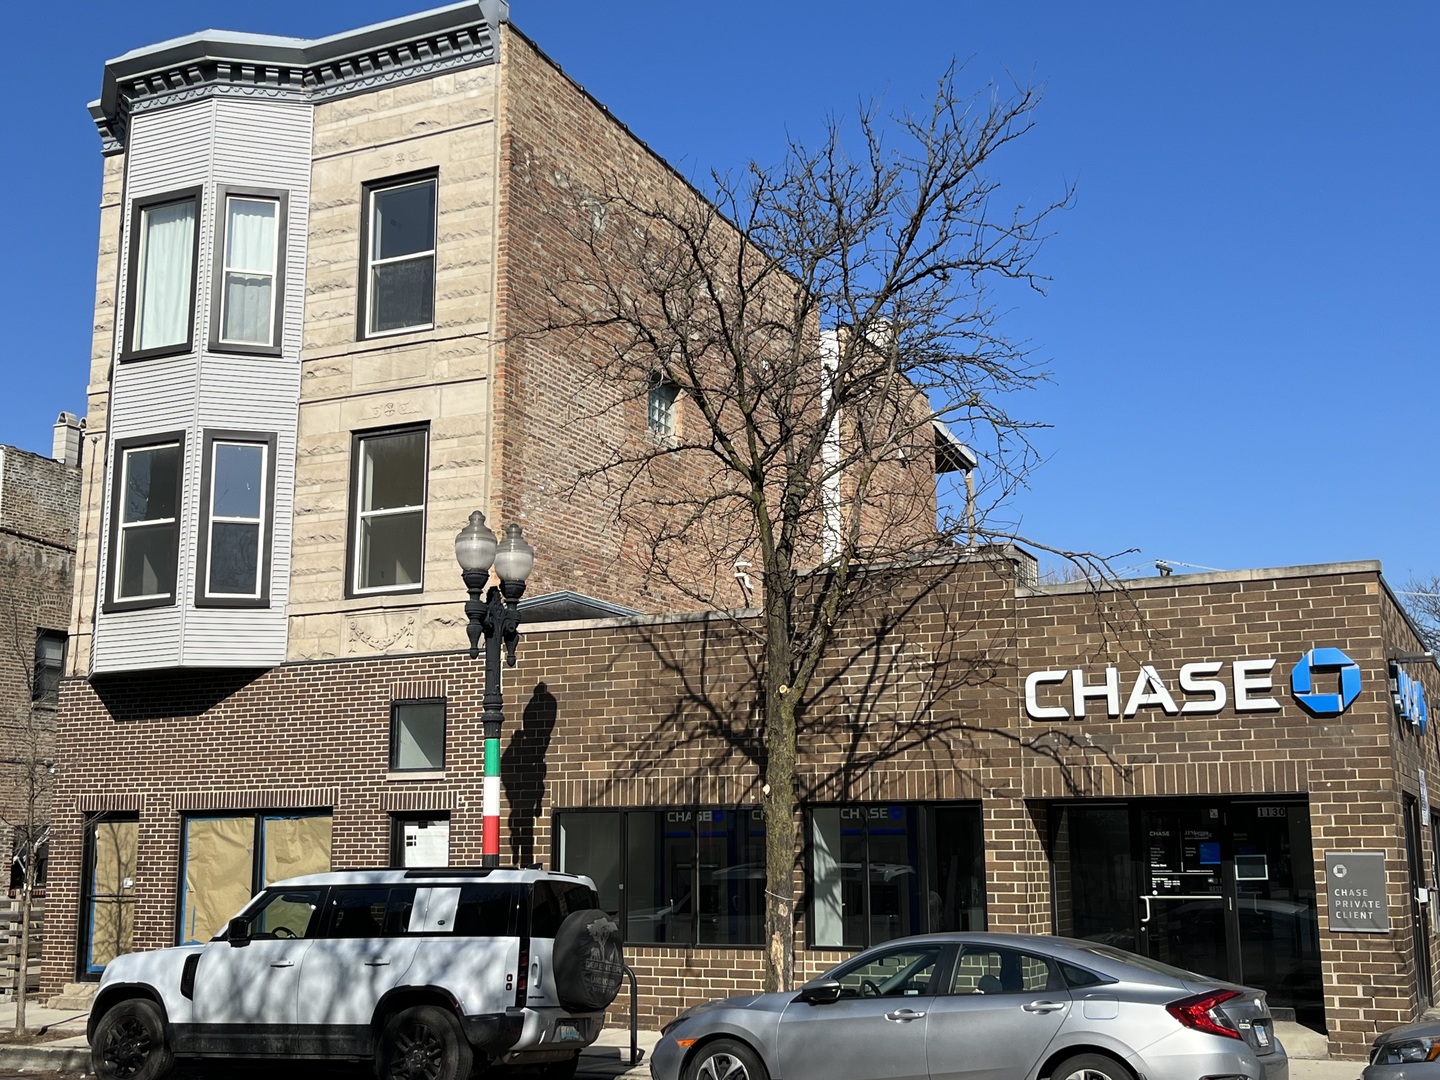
point(522, 771)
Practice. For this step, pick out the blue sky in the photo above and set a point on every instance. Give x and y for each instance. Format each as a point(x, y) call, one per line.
point(1242, 322)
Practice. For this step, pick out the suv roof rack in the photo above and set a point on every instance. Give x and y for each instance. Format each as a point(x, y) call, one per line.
point(451, 871)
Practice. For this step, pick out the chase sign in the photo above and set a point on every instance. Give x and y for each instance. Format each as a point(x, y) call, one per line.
point(1324, 681)
point(1325, 662)
point(1409, 697)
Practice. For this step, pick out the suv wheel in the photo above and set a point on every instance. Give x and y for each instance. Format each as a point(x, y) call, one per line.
point(130, 1043)
point(423, 1043)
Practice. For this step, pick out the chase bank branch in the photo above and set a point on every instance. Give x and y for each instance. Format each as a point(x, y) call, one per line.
point(1228, 772)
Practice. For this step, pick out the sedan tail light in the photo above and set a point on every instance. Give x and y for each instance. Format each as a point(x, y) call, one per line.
point(1201, 1012)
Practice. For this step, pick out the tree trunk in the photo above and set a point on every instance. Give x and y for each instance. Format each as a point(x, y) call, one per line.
point(22, 962)
point(779, 797)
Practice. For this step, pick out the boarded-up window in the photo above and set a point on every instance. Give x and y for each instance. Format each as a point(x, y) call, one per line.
point(219, 873)
point(112, 891)
point(223, 867)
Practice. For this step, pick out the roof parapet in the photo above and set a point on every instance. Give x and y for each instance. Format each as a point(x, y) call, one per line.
point(230, 64)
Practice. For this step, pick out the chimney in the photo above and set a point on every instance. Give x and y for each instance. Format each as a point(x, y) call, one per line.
point(69, 439)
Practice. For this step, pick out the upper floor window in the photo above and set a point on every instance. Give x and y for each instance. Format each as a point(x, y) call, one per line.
point(49, 666)
point(236, 506)
point(161, 285)
point(417, 736)
point(663, 394)
point(399, 257)
point(246, 312)
point(387, 529)
point(145, 521)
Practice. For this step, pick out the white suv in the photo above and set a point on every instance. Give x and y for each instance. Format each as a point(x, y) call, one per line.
point(428, 972)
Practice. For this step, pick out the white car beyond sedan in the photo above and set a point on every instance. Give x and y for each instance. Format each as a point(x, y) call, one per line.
point(982, 1007)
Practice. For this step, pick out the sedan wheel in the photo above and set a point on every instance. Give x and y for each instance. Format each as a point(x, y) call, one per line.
point(726, 1059)
point(1091, 1067)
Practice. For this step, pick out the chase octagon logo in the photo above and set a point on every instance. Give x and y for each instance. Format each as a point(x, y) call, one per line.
point(1339, 671)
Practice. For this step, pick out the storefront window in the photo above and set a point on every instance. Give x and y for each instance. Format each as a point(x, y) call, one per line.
point(880, 872)
point(1094, 875)
point(110, 846)
point(227, 859)
point(684, 876)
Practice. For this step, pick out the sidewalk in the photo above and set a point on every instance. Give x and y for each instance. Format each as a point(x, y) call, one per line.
point(607, 1059)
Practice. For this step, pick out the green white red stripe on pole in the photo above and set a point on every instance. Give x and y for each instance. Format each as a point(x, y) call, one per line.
point(490, 837)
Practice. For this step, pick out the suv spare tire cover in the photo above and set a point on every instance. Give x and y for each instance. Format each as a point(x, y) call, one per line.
point(587, 960)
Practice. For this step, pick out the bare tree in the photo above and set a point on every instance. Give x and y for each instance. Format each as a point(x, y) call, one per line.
point(806, 337)
point(29, 776)
point(1421, 597)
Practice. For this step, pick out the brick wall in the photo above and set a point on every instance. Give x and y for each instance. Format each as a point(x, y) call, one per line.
point(39, 501)
point(921, 701)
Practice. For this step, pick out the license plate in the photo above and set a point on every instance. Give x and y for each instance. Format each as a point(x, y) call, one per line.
point(1262, 1035)
point(566, 1033)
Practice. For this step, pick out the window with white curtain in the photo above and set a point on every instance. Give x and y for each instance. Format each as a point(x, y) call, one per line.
point(399, 256)
point(160, 309)
point(145, 521)
point(387, 537)
point(236, 507)
point(249, 277)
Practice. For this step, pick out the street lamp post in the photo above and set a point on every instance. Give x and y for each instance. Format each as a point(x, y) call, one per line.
point(494, 615)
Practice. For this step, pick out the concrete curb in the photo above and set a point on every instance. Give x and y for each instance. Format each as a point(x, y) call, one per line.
point(43, 1058)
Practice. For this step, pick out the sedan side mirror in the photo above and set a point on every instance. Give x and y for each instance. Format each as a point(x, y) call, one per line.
point(820, 992)
point(237, 931)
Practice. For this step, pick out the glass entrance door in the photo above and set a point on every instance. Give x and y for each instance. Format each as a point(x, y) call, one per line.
point(1221, 886)
point(1183, 898)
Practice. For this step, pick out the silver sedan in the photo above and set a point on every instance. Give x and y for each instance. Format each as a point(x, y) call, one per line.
point(1408, 1052)
point(982, 1007)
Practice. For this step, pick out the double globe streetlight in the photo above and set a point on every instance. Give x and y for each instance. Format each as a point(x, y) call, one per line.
point(495, 616)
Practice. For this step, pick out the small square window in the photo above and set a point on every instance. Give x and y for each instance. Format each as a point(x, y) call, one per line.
point(388, 527)
point(420, 840)
point(160, 305)
point(417, 736)
point(145, 521)
point(49, 666)
point(400, 257)
point(663, 394)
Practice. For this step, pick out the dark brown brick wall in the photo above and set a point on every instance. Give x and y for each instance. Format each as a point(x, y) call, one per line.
point(661, 713)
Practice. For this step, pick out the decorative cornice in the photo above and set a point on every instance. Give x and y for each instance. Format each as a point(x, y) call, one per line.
point(219, 64)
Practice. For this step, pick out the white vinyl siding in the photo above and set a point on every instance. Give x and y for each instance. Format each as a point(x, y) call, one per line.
point(213, 144)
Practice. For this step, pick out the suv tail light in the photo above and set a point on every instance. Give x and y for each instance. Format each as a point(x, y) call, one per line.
point(1200, 1013)
point(522, 979)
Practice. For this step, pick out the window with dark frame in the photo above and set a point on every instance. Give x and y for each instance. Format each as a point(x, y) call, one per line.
point(661, 407)
point(883, 871)
point(24, 857)
point(420, 839)
point(49, 667)
point(248, 284)
point(145, 522)
point(687, 875)
point(160, 303)
point(417, 736)
point(237, 511)
point(399, 263)
point(226, 858)
point(387, 534)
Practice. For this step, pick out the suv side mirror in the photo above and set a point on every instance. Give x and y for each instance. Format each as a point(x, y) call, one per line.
point(820, 992)
point(237, 931)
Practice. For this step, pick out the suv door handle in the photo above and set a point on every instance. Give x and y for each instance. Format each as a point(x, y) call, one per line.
point(379, 961)
point(903, 1016)
point(1043, 1006)
point(283, 963)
